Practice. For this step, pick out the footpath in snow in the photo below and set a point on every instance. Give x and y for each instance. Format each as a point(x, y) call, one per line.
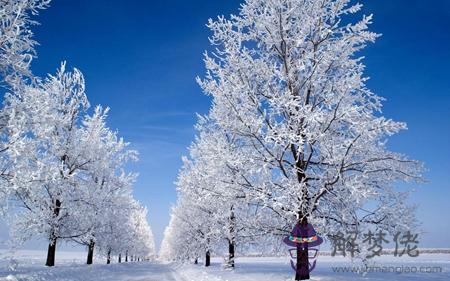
point(115, 272)
point(71, 268)
point(28, 266)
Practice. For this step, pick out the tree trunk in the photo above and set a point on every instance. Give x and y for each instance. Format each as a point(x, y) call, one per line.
point(90, 256)
point(231, 249)
point(51, 253)
point(53, 239)
point(126, 256)
point(232, 239)
point(196, 261)
point(120, 258)
point(208, 258)
point(108, 258)
point(302, 263)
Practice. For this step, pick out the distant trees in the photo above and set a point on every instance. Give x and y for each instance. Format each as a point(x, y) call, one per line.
point(213, 212)
point(302, 138)
point(125, 232)
point(62, 169)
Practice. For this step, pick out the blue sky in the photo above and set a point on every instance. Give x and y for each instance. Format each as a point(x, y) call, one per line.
point(141, 59)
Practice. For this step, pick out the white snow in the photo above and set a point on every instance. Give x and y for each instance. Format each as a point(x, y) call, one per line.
point(70, 267)
point(269, 269)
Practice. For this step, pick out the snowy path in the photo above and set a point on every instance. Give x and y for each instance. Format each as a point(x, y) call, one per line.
point(115, 272)
point(71, 267)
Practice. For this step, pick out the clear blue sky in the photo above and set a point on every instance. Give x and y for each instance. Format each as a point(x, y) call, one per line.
point(141, 58)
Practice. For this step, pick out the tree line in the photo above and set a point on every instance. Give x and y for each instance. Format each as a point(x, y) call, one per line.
point(62, 169)
point(293, 136)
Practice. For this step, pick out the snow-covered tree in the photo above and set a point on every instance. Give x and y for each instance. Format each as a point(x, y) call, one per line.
point(16, 42)
point(142, 244)
point(68, 175)
point(208, 179)
point(214, 205)
point(287, 80)
point(205, 182)
point(16, 53)
point(189, 234)
point(48, 154)
point(166, 250)
point(106, 184)
point(126, 232)
point(62, 170)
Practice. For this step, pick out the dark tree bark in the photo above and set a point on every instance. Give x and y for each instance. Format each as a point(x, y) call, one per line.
point(120, 258)
point(232, 239)
point(126, 256)
point(51, 252)
point(108, 258)
point(231, 251)
point(90, 256)
point(302, 262)
point(208, 258)
point(196, 261)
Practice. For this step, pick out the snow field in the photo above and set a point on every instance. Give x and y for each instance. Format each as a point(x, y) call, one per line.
point(70, 267)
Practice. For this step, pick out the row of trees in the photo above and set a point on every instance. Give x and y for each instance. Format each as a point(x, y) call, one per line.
point(62, 170)
point(293, 135)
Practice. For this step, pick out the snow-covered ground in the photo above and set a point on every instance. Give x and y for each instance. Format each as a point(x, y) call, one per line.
point(271, 269)
point(70, 267)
